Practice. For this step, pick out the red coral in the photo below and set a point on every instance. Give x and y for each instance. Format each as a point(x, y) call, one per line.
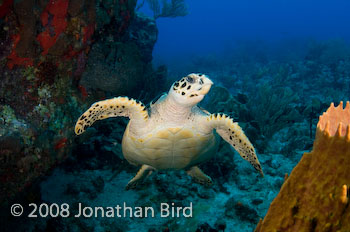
point(44, 18)
point(83, 91)
point(61, 143)
point(71, 53)
point(14, 59)
point(88, 32)
point(5, 7)
point(58, 9)
point(46, 41)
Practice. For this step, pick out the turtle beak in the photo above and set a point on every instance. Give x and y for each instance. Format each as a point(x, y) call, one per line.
point(207, 83)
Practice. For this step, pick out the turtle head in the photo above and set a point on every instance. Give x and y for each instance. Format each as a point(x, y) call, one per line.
point(191, 89)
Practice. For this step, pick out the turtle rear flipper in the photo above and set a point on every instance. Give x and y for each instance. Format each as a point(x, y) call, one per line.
point(199, 176)
point(144, 171)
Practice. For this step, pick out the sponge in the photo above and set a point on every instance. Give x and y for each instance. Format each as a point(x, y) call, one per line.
point(315, 197)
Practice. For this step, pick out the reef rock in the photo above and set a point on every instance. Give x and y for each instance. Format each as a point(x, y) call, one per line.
point(45, 47)
point(121, 65)
point(144, 32)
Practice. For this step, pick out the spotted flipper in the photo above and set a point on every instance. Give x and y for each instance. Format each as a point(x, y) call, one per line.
point(232, 133)
point(120, 106)
point(199, 176)
point(144, 171)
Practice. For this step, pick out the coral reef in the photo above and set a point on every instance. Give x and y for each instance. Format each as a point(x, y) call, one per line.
point(57, 59)
point(315, 195)
point(144, 33)
point(114, 59)
point(278, 105)
point(44, 52)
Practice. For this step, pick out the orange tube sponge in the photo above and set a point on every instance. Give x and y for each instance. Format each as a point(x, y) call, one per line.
point(315, 197)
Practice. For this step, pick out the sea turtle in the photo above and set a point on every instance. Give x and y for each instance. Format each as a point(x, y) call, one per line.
point(173, 133)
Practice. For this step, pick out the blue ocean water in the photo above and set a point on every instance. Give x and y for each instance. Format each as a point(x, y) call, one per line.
point(276, 66)
point(215, 26)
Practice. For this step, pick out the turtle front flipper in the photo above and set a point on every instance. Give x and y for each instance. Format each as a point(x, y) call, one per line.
point(144, 171)
point(120, 106)
point(232, 133)
point(199, 176)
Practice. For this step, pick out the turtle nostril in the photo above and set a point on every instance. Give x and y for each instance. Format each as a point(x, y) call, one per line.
point(190, 79)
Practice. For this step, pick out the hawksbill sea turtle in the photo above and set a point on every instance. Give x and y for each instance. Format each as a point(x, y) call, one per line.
point(174, 133)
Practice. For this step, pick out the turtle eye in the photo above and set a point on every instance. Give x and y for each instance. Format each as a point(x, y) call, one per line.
point(190, 80)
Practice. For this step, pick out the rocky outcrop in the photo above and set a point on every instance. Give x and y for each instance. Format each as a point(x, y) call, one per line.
point(122, 65)
point(56, 58)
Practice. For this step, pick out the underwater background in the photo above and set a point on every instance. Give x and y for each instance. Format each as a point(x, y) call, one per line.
point(276, 67)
